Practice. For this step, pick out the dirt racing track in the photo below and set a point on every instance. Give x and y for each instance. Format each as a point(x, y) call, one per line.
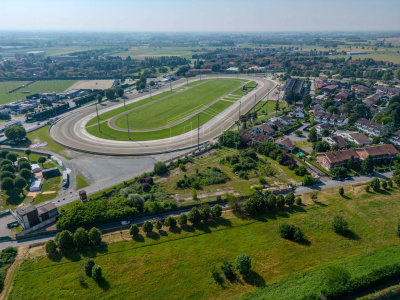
point(71, 132)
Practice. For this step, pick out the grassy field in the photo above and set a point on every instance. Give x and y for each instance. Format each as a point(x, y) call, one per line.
point(81, 182)
point(178, 106)
point(49, 190)
point(173, 263)
point(188, 125)
point(7, 86)
point(42, 135)
point(37, 87)
point(142, 52)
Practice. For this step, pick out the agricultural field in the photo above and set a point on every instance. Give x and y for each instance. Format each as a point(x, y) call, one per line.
point(34, 88)
point(54, 51)
point(282, 269)
point(142, 52)
point(168, 112)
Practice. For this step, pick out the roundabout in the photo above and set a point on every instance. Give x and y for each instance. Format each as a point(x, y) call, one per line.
point(166, 122)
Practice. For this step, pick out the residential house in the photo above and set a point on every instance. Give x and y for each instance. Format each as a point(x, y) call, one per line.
point(360, 90)
point(320, 128)
point(263, 129)
point(340, 141)
point(299, 113)
point(274, 122)
point(388, 90)
point(333, 159)
point(329, 88)
point(369, 127)
point(285, 144)
point(343, 95)
point(378, 152)
point(359, 138)
point(395, 138)
point(332, 119)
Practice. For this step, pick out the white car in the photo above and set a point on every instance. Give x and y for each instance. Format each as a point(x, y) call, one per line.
point(125, 222)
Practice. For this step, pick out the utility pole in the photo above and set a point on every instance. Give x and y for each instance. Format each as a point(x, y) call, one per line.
point(98, 120)
point(150, 91)
point(240, 105)
point(187, 81)
point(200, 76)
point(255, 97)
point(170, 86)
point(198, 132)
point(124, 103)
point(127, 122)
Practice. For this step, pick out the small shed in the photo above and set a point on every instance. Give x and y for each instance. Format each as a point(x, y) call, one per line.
point(35, 168)
point(36, 186)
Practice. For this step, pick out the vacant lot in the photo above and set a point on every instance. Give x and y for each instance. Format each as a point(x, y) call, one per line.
point(6, 87)
point(178, 106)
point(92, 85)
point(176, 264)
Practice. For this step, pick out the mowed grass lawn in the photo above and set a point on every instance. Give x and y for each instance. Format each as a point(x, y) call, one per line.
point(178, 106)
point(186, 126)
point(176, 264)
point(36, 87)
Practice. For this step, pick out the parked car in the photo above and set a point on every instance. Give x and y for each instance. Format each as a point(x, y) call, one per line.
point(125, 222)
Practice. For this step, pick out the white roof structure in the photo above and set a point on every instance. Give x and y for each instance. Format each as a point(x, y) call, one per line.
point(35, 186)
point(36, 168)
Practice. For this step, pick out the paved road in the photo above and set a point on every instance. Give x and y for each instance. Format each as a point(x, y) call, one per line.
point(71, 133)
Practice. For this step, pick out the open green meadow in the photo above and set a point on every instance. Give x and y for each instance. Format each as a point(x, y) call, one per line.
point(168, 111)
point(175, 108)
point(49, 86)
point(142, 52)
point(177, 263)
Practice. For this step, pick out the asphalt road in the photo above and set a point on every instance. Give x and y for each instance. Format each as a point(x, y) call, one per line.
point(70, 131)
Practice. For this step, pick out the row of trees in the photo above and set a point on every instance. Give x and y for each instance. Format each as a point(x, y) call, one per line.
point(242, 264)
point(195, 216)
point(260, 202)
point(65, 240)
point(10, 180)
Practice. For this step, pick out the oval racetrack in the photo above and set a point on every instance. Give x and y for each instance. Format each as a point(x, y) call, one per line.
point(70, 131)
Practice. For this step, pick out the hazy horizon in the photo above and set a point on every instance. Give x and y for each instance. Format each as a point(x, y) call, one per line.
point(200, 16)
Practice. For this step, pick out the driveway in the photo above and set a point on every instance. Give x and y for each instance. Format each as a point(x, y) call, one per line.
point(302, 138)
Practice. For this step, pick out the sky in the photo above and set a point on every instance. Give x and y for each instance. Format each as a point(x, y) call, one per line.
point(204, 15)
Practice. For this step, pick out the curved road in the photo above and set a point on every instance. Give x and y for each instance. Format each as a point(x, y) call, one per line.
point(70, 131)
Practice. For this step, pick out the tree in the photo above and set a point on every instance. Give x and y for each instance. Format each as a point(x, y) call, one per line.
point(194, 216)
point(182, 219)
point(194, 194)
point(12, 156)
point(340, 225)
point(120, 92)
point(367, 188)
point(20, 183)
point(350, 163)
point(25, 165)
point(215, 67)
point(375, 184)
point(277, 106)
point(230, 139)
point(298, 201)
point(386, 76)
point(7, 184)
point(314, 195)
point(99, 98)
point(390, 183)
point(216, 211)
point(301, 171)
point(158, 225)
point(134, 230)
point(110, 94)
point(148, 227)
point(26, 174)
point(170, 222)
point(298, 132)
point(42, 160)
point(308, 180)
point(312, 135)
point(384, 184)
point(205, 212)
point(271, 202)
point(81, 238)
point(6, 174)
point(289, 199)
point(227, 268)
point(398, 227)
point(243, 264)
point(280, 201)
point(306, 100)
point(50, 247)
point(336, 276)
point(88, 266)
point(341, 191)
point(95, 236)
point(160, 168)
point(6, 162)
point(396, 180)
point(233, 202)
point(65, 240)
point(216, 276)
point(3, 153)
point(15, 133)
point(97, 273)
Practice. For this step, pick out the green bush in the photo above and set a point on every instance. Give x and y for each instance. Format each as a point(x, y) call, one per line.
point(170, 222)
point(340, 225)
point(88, 266)
point(243, 264)
point(182, 219)
point(95, 236)
point(216, 211)
point(50, 247)
point(97, 273)
point(291, 232)
point(134, 230)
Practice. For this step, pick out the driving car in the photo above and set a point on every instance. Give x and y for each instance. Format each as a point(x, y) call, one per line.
point(125, 222)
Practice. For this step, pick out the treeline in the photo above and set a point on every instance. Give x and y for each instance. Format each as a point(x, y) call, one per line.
point(55, 110)
point(169, 61)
